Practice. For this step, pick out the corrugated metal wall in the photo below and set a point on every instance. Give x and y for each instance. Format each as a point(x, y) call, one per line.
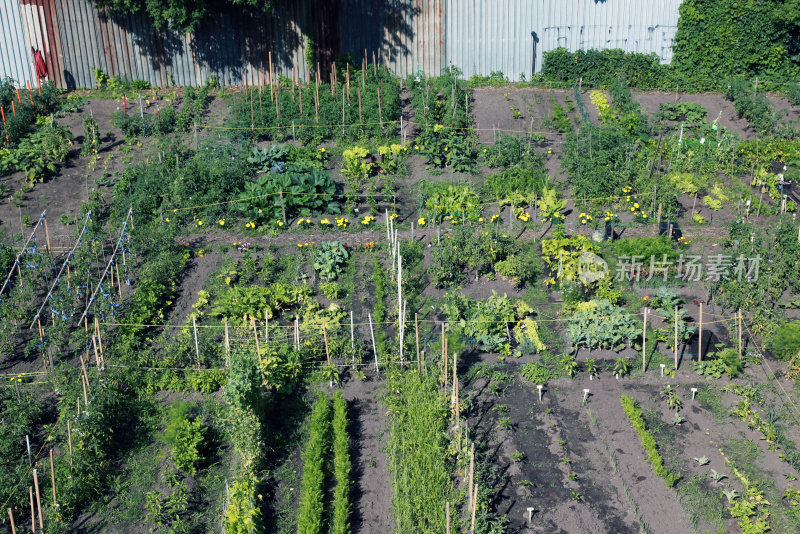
point(411, 36)
point(491, 35)
point(15, 55)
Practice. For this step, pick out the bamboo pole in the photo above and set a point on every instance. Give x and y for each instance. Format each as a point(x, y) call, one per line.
point(11, 517)
point(644, 342)
point(38, 499)
point(700, 336)
point(85, 397)
point(46, 235)
point(447, 517)
point(360, 120)
point(196, 344)
point(271, 81)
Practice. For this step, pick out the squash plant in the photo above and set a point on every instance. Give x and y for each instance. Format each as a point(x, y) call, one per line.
point(605, 326)
point(305, 192)
point(330, 259)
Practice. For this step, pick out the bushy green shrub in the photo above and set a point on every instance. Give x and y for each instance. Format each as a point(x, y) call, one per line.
point(184, 435)
point(785, 342)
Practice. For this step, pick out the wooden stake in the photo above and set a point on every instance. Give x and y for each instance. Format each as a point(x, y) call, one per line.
point(474, 507)
point(119, 283)
point(53, 477)
point(227, 342)
point(196, 344)
point(46, 235)
point(11, 517)
point(69, 441)
point(471, 471)
point(99, 339)
point(38, 499)
point(374, 348)
point(740, 333)
point(700, 336)
point(676, 337)
point(360, 120)
point(658, 220)
point(85, 374)
point(447, 517)
point(325, 337)
point(255, 335)
point(85, 396)
point(644, 342)
point(33, 513)
point(271, 81)
point(416, 335)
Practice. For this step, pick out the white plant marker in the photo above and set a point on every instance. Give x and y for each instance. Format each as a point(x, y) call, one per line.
point(616, 375)
point(585, 394)
point(539, 387)
point(662, 369)
point(530, 513)
point(694, 392)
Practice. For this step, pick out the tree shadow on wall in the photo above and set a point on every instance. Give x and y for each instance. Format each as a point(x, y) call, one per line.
point(236, 39)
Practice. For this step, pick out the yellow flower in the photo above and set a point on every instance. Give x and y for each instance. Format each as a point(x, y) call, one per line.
point(484, 150)
point(636, 205)
point(644, 215)
point(300, 222)
point(393, 216)
point(305, 244)
point(445, 149)
point(583, 221)
point(221, 222)
point(167, 219)
point(300, 245)
point(322, 149)
point(633, 209)
point(480, 219)
point(421, 221)
point(199, 223)
point(325, 222)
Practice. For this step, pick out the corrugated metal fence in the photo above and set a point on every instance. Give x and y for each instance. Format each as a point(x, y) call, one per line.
point(479, 36)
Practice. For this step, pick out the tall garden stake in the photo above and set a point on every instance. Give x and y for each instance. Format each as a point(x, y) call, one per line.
point(700, 336)
point(374, 349)
point(644, 342)
point(676, 337)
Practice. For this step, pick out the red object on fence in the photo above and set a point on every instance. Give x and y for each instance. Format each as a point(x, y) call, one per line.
point(3, 113)
point(13, 108)
point(124, 105)
point(41, 66)
point(19, 98)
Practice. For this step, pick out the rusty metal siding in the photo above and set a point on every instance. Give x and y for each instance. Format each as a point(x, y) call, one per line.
point(490, 35)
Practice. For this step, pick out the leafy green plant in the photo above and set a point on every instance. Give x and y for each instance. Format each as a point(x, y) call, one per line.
point(671, 398)
point(243, 514)
point(280, 368)
point(538, 373)
point(636, 419)
point(701, 461)
point(299, 191)
point(184, 436)
point(569, 365)
point(448, 200)
point(785, 342)
point(330, 259)
point(601, 326)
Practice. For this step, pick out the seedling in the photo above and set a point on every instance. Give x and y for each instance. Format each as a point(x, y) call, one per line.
point(677, 419)
point(573, 476)
point(716, 476)
point(789, 476)
point(576, 496)
point(505, 423)
point(517, 456)
point(501, 408)
point(527, 483)
point(731, 494)
point(561, 442)
point(566, 461)
point(702, 460)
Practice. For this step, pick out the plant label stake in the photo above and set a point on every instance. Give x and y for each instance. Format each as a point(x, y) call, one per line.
point(740, 334)
point(585, 395)
point(662, 369)
point(352, 336)
point(416, 335)
point(694, 392)
point(530, 513)
point(539, 387)
point(28, 444)
point(266, 326)
point(227, 342)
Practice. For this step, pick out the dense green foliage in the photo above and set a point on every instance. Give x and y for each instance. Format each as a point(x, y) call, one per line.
point(178, 14)
point(715, 39)
point(785, 342)
point(310, 514)
point(340, 521)
point(417, 452)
